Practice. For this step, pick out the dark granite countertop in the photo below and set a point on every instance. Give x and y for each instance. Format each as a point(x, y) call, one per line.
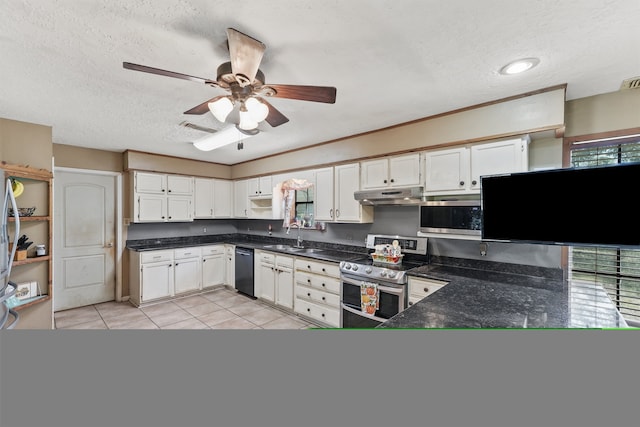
point(329, 251)
point(507, 296)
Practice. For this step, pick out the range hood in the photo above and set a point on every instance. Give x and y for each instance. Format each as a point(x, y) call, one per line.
point(390, 196)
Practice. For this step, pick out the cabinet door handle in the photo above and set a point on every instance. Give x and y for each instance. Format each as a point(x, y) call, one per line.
point(392, 180)
point(308, 294)
point(385, 181)
point(324, 298)
point(331, 213)
point(474, 182)
point(410, 302)
point(324, 286)
point(426, 290)
point(461, 183)
point(322, 314)
point(337, 213)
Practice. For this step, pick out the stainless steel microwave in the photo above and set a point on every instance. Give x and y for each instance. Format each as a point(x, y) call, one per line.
point(461, 217)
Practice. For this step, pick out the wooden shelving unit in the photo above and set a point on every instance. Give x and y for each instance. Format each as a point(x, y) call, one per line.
point(38, 182)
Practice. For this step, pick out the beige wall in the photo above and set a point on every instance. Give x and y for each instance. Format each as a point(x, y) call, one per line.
point(514, 116)
point(159, 163)
point(69, 156)
point(25, 144)
point(603, 113)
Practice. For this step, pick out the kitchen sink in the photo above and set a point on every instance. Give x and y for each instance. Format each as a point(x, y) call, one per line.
point(279, 247)
point(309, 250)
point(293, 249)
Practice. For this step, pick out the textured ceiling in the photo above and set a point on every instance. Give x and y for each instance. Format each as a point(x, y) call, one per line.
point(391, 61)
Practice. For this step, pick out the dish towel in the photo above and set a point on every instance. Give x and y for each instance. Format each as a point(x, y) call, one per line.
point(369, 297)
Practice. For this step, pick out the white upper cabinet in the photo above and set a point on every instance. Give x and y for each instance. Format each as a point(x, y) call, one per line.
point(223, 198)
point(394, 171)
point(323, 194)
point(507, 156)
point(241, 199)
point(150, 183)
point(203, 198)
point(178, 185)
point(260, 187)
point(446, 171)
point(162, 197)
point(213, 198)
point(458, 170)
point(334, 201)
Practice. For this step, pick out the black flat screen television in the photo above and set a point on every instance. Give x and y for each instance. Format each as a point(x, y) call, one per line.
point(594, 206)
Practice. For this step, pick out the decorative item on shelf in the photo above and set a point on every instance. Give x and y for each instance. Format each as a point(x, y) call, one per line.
point(21, 248)
point(40, 250)
point(23, 211)
point(17, 187)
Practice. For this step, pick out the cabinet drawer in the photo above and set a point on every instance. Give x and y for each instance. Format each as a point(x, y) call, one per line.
point(266, 257)
point(318, 296)
point(284, 261)
point(420, 288)
point(315, 281)
point(183, 253)
point(318, 267)
point(155, 256)
point(212, 250)
point(330, 316)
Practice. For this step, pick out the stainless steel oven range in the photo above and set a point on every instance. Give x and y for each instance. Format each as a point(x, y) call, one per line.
point(390, 281)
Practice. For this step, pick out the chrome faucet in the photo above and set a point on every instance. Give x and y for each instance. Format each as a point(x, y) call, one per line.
point(299, 238)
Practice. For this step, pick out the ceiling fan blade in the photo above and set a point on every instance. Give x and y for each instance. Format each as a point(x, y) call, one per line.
point(246, 54)
point(145, 69)
point(305, 93)
point(202, 108)
point(275, 117)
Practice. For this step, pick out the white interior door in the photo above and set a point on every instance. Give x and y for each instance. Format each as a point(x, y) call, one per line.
point(84, 239)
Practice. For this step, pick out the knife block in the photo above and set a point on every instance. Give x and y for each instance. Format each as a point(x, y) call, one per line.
point(20, 255)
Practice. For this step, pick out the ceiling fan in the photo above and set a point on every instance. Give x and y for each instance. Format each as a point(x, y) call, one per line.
point(246, 85)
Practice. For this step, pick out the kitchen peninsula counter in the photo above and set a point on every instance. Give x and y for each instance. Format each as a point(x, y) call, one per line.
point(507, 296)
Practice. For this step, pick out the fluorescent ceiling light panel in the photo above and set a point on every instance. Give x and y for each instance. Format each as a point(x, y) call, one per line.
point(220, 139)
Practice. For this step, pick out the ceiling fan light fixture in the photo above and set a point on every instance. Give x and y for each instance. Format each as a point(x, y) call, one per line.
point(519, 66)
point(257, 109)
point(247, 122)
point(221, 108)
point(219, 139)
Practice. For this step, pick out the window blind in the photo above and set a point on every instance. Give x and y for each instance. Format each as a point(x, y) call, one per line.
point(616, 270)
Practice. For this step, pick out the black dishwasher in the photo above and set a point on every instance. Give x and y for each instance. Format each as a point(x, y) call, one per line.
point(244, 271)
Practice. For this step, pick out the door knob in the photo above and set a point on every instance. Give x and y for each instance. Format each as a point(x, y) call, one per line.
point(109, 245)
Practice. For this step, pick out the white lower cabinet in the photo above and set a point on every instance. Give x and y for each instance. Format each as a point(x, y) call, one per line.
point(230, 267)
point(274, 278)
point(150, 276)
point(214, 265)
point(317, 291)
point(186, 273)
point(421, 287)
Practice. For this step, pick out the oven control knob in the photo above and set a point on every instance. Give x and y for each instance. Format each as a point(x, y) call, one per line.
point(367, 270)
point(383, 273)
point(347, 266)
point(355, 267)
point(392, 274)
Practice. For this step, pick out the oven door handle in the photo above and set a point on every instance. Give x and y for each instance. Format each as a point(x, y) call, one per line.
point(360, 313)
point(382, 288)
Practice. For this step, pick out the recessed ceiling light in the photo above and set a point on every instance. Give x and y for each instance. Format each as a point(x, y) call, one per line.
point(519, 66)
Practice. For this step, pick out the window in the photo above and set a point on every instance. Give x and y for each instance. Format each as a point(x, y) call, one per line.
point(304, 206)
point(616, 270)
